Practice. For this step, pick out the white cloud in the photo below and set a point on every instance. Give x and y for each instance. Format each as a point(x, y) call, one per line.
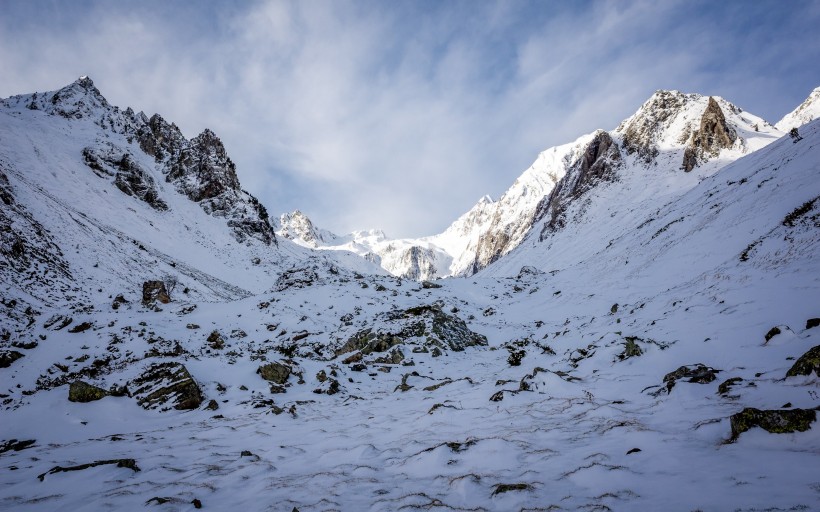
point(401, 115)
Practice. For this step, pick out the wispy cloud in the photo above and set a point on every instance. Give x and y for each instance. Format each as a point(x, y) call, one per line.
point(401, 115)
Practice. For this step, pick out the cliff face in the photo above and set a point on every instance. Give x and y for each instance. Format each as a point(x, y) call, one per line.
point(713, 135)
point(597, 164)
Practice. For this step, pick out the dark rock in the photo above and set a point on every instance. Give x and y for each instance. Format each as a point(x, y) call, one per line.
point(274, 372)
point(775, 422)
point(598, 164)
point(25, 345)
point(246, 453)
point(159, 500)
point(515, 356)
point(353, 358)
point(119, 300)
point(296, 278)
point(332, 388)
point(359, 367)
point(812, 323)
point(633, 450)
point(7, 357)
point(58, 322)
point(427, 285)
point(83, 392)
point(726, 385)
point(807, 364)
point(15, 445)
point(167, 385)
point(196, 503)
point(497, 396)
point(502, 488)
point(81, 327)
point(631, 348)
point(215, 340)
point(698, 374)
point(154, 291)
point(212, 405)
point(774, 331)
point(120, 463)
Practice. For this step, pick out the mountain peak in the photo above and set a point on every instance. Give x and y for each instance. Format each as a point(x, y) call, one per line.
point(805, 112)
point(76, 100)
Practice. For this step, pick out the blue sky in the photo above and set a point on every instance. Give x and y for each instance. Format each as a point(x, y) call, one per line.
point(401, 115)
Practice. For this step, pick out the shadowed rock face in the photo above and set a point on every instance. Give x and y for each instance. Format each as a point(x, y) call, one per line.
point(598, 164)
point(712, 136)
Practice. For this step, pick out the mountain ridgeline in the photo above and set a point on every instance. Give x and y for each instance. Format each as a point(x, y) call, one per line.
point(198, 168)
point(672, 135)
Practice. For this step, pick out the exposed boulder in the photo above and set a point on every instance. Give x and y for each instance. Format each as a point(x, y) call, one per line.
point(154, 291)
point(421, 325)
point(166, 385)
point(83, 392)
point(807, 364)
point(7, 357)
point(775, 421)
point(215, 340)
point(296, 278)
point(698, 374)
point(277, 373)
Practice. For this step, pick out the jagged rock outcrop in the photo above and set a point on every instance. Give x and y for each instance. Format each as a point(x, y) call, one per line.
point(425, 325)
point(129, 177)
point(713, 135)
point(597, 164)
point(166, 385)
point(198, 168)
point(641, 132)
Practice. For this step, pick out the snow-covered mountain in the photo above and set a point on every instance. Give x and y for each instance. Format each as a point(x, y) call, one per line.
point(97, 194)
point(666, 147)
point(651, 339)
point(807, 111)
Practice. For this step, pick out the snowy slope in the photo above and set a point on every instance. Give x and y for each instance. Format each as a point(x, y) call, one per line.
point(121, 199)
point(805, 112)
point(563, 376)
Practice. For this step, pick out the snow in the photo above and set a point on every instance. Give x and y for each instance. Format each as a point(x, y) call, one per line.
point(666, 246)
point(804, 113)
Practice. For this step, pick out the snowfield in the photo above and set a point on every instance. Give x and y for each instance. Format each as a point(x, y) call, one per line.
point(612, 364)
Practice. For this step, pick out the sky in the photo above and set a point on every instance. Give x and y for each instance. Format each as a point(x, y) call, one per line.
point(400, 115)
